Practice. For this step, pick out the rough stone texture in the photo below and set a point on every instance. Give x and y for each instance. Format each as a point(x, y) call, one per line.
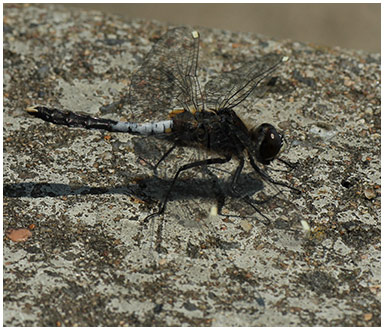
point(82, 193)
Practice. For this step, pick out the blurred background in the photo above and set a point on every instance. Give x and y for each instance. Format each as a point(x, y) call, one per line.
point(355, 25)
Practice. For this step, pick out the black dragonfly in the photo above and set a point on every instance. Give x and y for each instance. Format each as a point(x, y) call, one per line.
point(169, 104)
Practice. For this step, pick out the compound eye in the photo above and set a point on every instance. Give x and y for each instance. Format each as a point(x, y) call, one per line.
point(269, 143)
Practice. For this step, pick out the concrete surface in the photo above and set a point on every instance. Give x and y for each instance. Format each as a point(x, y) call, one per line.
point(83, 194)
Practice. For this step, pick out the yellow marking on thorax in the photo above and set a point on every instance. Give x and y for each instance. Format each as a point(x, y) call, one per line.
point(191, 108)
point(175, 112)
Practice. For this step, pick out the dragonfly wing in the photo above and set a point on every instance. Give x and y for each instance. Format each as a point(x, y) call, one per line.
point(167, 79)
point(231, 88)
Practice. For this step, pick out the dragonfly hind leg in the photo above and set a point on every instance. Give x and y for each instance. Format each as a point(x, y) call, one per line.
point(205, 162)
point(166, 198)
point(165, 155)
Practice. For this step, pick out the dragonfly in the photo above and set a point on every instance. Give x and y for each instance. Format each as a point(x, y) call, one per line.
point(168, 103)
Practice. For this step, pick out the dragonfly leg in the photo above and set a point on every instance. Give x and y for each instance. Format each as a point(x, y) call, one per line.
point(181, 169)
point(269, 179)
point(287, 163)
point(236, 176)
point(163, 157)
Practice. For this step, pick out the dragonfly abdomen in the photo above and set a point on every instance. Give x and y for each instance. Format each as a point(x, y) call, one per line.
point(71, 119)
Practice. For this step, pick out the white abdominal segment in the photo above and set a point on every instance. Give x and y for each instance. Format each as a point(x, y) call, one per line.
point(159, 127)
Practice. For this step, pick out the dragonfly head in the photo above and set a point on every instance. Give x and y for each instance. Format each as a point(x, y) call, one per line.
point(269, 143)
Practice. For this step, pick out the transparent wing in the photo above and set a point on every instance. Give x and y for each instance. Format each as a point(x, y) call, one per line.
point(167, 78)
point(231, 88)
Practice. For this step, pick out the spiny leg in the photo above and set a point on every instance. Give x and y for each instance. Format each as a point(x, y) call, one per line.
point(251, 202)
point(269, 179)
point(287, 163)
point(166, 154)
point(246, 198)
point(181, 169)
point(166, 198)
point(236, 193)
point(236, 176)
point(220, 194)
point(288, 166)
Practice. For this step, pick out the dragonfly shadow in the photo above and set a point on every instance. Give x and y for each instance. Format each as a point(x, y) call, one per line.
point(45, 189)
point(205, 189)
point(148, 189)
